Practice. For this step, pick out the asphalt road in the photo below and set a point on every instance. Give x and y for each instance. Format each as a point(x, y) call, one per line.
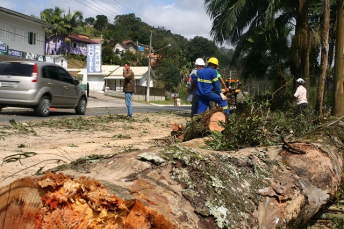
point(98, 104)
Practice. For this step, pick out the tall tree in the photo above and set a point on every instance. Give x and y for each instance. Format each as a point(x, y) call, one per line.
point(73, 21)
point(90, 20)
point(53, 16)
point(101, 23)
point(133, 28)
point(63, 25)
point(200, 47)
point(323, 61)
point(303, 39)
point(338, 93)
point(236, 21)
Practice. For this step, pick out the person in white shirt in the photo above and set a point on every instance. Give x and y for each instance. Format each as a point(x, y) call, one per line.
point(301, 96)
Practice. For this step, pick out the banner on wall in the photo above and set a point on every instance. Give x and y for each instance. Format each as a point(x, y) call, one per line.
point(94, 58)
point(16, 53)
point(3, 49)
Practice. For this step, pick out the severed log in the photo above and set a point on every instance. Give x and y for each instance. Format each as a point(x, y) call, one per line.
point(190, 187)
point(59, 201)
point(200, 125)
point(19, 203)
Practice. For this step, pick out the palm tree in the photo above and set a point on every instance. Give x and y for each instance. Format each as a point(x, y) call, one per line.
point(53, 16)
point(236, 21)
point(73, 21)
point(63, 25)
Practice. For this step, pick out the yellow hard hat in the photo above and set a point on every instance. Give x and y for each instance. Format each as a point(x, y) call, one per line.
point(213, 60)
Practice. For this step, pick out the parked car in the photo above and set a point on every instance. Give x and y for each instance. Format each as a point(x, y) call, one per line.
point(41, 86)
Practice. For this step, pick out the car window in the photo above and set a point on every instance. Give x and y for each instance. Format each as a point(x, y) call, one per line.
point(50, 72)
point(65, 77)
point(16, 69)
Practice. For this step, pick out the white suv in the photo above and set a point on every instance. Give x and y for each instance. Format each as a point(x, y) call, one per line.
point(41, 86)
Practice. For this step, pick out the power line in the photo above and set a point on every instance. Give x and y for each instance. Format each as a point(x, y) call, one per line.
point(122, 8)
point(101, 10)
point(131, 11)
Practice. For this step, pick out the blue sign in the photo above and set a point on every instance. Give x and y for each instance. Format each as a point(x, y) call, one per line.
point(3, 48)
point(141, 49)
point(16, 53)
point(94, 58)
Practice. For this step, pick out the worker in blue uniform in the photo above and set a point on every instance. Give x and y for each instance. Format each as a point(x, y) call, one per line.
point(209, 88)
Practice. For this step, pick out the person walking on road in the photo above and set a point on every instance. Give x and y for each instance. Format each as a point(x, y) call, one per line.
point(128, 87)
point(209, 88)
point(301, 96)
point(191, 86)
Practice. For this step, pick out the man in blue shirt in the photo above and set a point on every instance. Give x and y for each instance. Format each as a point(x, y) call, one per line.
point(192, 86)
point(209, 88)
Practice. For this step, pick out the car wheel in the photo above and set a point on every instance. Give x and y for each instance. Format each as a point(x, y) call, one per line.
point(81, 107)
point(43, 107)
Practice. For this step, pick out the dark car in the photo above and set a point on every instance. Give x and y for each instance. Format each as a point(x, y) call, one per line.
point(41, 86)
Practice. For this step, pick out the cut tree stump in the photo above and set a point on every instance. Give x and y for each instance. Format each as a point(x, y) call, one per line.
point(214, 121)
point(57, 201)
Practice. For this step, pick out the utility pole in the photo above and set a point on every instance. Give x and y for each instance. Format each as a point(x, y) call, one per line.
point(149, 65)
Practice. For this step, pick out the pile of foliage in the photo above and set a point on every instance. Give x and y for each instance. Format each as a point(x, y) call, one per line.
point(259, 126)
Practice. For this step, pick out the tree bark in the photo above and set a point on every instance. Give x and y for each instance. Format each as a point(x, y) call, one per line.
point(181, 186)
point(324, 56)
point(338, 94)
point(303, 38)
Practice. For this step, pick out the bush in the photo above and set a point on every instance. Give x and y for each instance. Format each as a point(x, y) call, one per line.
point(258, 126)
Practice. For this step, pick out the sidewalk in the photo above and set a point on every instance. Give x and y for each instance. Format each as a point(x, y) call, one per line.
point(99, 99)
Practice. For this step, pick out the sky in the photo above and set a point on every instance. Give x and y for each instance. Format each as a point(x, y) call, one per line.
point(184, 17)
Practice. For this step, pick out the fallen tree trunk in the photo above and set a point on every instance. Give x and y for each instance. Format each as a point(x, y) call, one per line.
point(181, 186)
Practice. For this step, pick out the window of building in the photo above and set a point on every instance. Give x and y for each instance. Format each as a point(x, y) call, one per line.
point(7, 32)
point(74, 45)
point(31, 38)
point(12, 33)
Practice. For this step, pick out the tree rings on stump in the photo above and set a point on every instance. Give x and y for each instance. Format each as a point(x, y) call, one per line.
point(214, 120)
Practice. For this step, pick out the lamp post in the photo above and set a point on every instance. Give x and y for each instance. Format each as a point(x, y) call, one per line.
point(149, 64)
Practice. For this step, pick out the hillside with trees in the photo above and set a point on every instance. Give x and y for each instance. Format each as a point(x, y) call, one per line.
point(275, 43)
point(175, 62)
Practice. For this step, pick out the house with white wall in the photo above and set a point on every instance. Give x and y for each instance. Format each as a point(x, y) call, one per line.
point(111, 78)
point(58, 59)
point(115, 80)
point(73, 44)
point(21, 36)
point(125, 46)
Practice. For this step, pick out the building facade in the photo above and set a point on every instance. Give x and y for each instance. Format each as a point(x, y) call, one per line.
point(111, 78)
point(21, 36)
point(73, 44)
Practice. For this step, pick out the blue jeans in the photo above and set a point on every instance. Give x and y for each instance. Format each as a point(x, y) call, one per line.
point(204, 103)
point(128, 103)
point(194, 108)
